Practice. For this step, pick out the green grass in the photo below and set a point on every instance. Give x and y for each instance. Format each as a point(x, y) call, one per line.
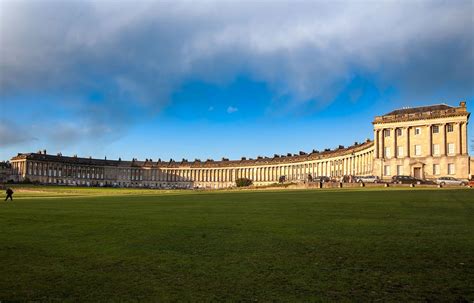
point(68, 244)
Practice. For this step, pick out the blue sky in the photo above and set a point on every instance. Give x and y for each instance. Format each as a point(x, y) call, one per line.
point(207, 79)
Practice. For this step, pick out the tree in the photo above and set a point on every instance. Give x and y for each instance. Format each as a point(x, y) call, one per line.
point(243, 182)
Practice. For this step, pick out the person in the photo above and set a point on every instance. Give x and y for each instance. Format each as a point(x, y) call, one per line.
point(9, 194)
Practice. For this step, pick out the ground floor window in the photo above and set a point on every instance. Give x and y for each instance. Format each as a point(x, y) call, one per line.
point(399, 169)
point(386, 170)
point(451, 169)
point(436, 169)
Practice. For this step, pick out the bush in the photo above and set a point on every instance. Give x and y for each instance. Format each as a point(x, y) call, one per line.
point(242, 182)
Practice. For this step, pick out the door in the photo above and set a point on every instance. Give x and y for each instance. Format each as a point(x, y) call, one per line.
point(417, 172)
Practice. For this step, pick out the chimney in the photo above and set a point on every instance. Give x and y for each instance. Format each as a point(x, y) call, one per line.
point(44, 151)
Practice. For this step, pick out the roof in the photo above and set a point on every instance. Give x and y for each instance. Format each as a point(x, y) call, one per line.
point(420, 109)
point(197, 164)
point(423, 112)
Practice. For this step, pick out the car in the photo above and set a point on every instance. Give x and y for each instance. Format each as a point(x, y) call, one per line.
point(450, 181)
point(406, 180)
point(321, 179)
point(368, 179)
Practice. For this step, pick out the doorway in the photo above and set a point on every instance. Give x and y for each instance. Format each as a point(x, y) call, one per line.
point(417, 172)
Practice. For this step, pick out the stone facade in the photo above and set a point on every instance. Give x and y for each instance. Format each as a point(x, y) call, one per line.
point(426, 142)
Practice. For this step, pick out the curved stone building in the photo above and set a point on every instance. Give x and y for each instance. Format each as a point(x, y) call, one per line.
point(426, 142)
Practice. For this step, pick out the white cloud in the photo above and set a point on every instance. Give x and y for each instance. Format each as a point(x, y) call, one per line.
point(231, 109)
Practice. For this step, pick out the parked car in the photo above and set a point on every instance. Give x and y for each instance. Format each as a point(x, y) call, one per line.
point(321, 179)
point(368, 179)
point(406, 180)
point(450, 181)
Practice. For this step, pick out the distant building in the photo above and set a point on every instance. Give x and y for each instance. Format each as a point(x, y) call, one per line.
point(424, 142)
point(6, 172)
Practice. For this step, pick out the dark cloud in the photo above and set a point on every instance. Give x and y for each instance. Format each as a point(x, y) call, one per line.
point(12, 134)
point(136, 53)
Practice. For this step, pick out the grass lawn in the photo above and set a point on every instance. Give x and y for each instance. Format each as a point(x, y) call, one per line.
point(70, 244)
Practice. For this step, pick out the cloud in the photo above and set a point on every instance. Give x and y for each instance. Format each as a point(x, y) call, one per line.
point(305, 51)
point(12, 134)
point(231, 109)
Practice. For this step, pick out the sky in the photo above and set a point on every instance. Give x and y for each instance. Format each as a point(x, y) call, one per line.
point(212, 79)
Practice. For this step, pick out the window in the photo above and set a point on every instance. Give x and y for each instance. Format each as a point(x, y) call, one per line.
point(451, 148)
point(387, 152)
point(451, 169)
point(400, 151)
point(399, 132)
point(417, 150)
point(386, 170)
point(435, 129)
point(435, 169)
point(386, 133)
point(450, 128)
point(417, 130)
point(399, 170)
point(435, 149)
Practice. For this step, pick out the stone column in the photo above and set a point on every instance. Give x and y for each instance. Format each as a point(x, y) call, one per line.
point(444, 151)
point(407, 147)
point(382, 143)
point(376, 143)
point(394, 153)
point(464, 139)
point(459, 140)
point(430, 139)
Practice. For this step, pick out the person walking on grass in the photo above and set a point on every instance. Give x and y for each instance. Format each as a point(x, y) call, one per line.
point(9, 193)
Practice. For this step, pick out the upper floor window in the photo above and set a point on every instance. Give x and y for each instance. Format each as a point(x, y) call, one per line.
point(399, 132)
point(435, 129)
point(417, 130)
point(450, 128)
point(435, 149)
point(400, 151)
point(417, 150)
point(451, 148)
point(386, 133)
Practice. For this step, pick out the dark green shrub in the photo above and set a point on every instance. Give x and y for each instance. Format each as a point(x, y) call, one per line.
point(242, 182)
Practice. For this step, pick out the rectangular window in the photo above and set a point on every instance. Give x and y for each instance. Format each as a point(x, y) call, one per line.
point(417, 130)
point(451, 148)
point(399, 132)
point(386, 170)
point(417, 150)
point(435, 129)
point(435, 149)
point(387, 152)
point(450, 128)
point(400, 151)
point(451, 169)
point(435, 169)
point(399, 170)
point(386, 133)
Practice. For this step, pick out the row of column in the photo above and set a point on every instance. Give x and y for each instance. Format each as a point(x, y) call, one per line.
point(47, 169)
point(459, 130)
point(352, 164)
